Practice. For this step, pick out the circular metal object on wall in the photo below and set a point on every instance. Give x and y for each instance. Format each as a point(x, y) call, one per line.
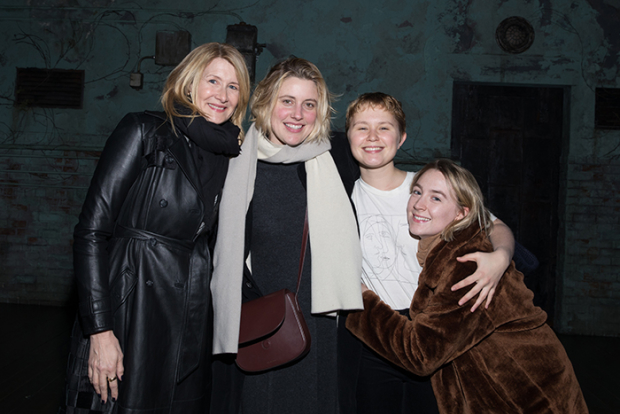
point(514, 35)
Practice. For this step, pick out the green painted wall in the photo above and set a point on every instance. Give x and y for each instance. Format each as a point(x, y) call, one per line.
point(413, 50)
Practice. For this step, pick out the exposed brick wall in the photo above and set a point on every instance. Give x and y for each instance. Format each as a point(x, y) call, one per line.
point(591, 285)
point(41, 194)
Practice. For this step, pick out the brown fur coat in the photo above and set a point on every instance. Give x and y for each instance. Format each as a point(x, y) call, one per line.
point(504, 359)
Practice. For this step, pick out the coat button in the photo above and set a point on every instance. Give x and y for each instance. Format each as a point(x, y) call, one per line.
point(169, 159)
point(163, 203)
point(249, 285)
point(152, 242)
point(149, 283)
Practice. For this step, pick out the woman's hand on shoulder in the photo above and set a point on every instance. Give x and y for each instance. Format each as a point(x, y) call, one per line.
point(491, 268)
point(105, 364)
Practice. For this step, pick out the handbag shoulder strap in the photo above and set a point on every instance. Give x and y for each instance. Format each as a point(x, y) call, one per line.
point(302, 256)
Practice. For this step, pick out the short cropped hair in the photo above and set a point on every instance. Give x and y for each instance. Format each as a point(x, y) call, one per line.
point(377, 100)
point(467, 193)
point(266, 94)
point(183, 81)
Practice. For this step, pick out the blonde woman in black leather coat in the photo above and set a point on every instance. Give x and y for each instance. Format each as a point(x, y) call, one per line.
point(141, 253)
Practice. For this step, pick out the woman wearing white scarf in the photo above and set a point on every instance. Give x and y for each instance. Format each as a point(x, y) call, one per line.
point(291, 108)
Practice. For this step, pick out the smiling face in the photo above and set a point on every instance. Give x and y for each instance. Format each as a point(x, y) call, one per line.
point(217, 94)
point(294, 115)
point(375, 137)
point(432, 205)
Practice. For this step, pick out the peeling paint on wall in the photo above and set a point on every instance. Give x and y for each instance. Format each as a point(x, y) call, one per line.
point(413, 51)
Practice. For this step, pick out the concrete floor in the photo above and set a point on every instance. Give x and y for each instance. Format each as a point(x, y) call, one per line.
point(35, 341)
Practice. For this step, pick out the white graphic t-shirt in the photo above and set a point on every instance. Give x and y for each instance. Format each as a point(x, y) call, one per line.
point(390, 267)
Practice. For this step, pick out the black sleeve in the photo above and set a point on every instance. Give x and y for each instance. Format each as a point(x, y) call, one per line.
point(118, 167)
point(347, 166)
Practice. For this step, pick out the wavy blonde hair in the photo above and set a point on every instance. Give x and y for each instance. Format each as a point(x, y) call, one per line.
point(466, 192)
point(266, 94)
point(184, 79)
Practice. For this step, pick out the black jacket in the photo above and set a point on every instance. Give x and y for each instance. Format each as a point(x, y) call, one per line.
point(141, 267)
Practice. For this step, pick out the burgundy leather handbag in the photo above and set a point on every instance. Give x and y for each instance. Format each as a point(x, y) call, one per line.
point(273, 330)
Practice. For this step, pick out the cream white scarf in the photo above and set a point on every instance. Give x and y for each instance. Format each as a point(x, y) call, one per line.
point(336, 253)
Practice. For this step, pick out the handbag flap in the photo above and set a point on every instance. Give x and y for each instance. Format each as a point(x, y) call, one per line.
point(260, 317)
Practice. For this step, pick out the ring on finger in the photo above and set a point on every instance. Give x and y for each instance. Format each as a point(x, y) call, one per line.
point(111, 379)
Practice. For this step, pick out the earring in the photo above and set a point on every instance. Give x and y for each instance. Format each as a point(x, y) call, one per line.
point(189, 96)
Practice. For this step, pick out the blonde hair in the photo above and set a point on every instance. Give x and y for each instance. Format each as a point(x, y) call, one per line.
point(377, 100)
point(183, 81)
point(466, 192)
point(266, 94)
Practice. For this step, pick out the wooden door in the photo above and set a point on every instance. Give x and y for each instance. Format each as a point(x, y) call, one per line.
point(510, 138)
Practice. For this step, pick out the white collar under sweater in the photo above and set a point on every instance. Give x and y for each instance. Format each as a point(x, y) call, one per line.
point(336, 254)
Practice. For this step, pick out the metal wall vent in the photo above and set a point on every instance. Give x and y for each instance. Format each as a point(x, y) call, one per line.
point(514, 35)
point(49, 88)
point(607, 108)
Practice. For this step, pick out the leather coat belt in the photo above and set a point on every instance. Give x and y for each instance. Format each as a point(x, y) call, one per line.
point(154, 238)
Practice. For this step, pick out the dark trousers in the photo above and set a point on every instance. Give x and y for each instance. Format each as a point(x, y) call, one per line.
point(384, 388)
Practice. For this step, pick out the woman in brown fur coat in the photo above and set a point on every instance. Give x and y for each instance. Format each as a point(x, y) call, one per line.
point(504, 359)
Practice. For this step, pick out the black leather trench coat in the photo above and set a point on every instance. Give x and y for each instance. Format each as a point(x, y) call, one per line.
point(143, 271)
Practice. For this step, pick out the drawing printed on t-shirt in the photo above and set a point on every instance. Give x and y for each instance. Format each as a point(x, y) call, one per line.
point(381, 247)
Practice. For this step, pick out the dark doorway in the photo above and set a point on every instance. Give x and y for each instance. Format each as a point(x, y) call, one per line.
point(510, 138)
